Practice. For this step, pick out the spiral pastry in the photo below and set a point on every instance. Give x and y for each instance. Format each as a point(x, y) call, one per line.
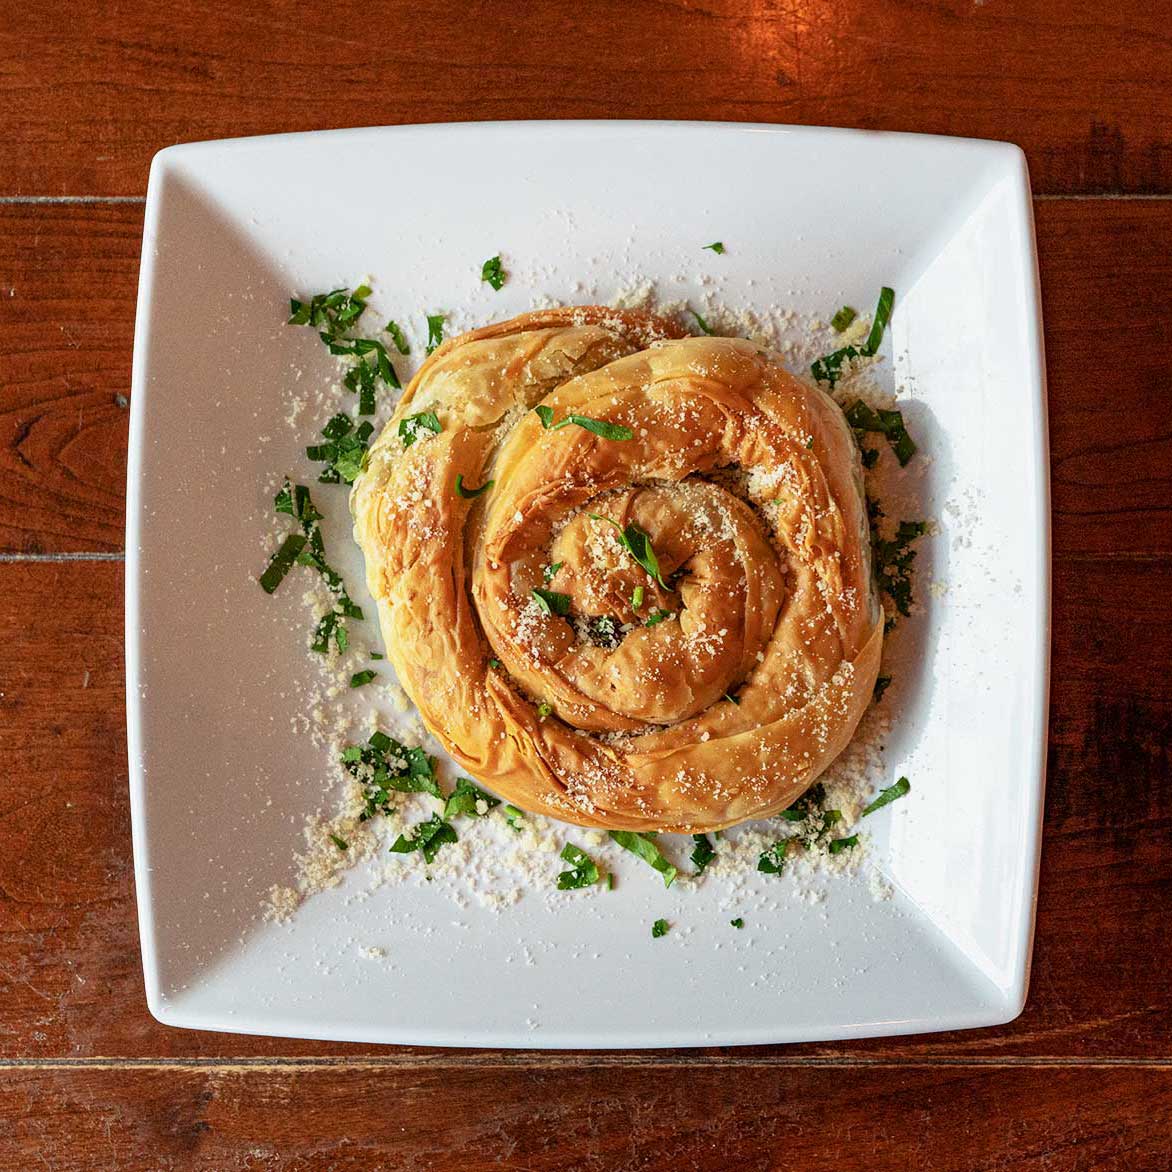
point(657, 612)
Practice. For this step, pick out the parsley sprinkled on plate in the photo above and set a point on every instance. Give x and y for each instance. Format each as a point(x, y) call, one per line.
point(716, 246)
point(584, 870)
point(361, 348)
point(843, 844)
point(702, 854)
point(738, 922)
point(468, 798)
point(645, 847)
point(864, 419)
point(281, 562)
point(514, 817)
point(393, 328)
point(345, 450)
point(435, 330)
point(383, 765)
point(426, 837)
point(890, 794)
point(637, 597)
point(492, 272)
point(772, 859)
point(359, 678)
point(842, 319)
point(333, 313)
point(828, 369)
point(893, 564)
point(658, 616)
point(659, 928)
point(308, 549)
point(549, 572)
point(340, 843)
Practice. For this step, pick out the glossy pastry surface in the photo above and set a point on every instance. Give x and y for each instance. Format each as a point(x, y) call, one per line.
point(656, 616)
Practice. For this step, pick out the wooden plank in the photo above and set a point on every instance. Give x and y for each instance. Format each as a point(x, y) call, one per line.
point(948, 1119)
point(68, 292)
point(91, 91)
point(65, 337)
point(70, 981)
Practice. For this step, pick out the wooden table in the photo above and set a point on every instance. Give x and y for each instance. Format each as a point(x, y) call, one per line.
point(1082, 1080)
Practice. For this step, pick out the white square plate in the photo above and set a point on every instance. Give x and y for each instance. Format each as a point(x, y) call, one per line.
point(220, 785)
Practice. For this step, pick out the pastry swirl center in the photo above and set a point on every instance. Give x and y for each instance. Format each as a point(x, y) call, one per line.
point(643, 648)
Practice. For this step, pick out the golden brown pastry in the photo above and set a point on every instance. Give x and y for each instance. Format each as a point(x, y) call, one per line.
point(747, 484)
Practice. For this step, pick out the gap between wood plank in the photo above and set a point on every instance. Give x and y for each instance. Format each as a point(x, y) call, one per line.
point(575, 1060)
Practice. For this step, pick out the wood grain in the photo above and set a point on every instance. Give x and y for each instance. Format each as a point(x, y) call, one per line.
point(91, 91)
point(944, 1118)
point(66, 329)
point(68, 276)
point(70, 981)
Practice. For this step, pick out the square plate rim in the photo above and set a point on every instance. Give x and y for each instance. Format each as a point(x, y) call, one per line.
point(994, 1011)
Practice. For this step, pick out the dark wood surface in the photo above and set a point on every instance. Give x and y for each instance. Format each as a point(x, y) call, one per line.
point(88, 1080)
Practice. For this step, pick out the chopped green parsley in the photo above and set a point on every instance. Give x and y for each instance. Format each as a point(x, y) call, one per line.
point(705, 328)
point(843, 844)
point(308, 549)
point(865, 419)
point(842, 319)
point(829, 368)
point(435, 330)
point(637, 542)
point(345, 451)
point(584, 870)
point(467, 798)
point(893, 564)
point(702, 854)
point(282, 562)
point(647, 849)
point(426, 837)
point(599, 427)
point(398, 337)
point(383, 765)
point(772, 858)
point(410, 427)
point(890, 794)
point(492, 272)
point(551, 602)
point(659, 928)
point(468, 493)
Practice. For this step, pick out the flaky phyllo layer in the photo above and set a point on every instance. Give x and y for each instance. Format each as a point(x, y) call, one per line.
point(657, 611)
